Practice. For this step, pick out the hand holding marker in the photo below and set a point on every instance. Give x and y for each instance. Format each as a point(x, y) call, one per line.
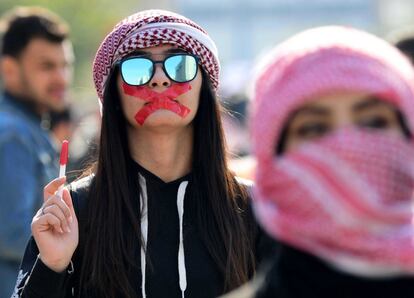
point(55, 226)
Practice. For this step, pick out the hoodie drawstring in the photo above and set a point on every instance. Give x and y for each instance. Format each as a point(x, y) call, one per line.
point(144, 231)
point(181, 260)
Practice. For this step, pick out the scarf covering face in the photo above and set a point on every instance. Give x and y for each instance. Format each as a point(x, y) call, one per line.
point(151, 28)
point(347, 197)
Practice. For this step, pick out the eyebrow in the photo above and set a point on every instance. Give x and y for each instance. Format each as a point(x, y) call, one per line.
point(369, 103)
point(146, 53)
point(320, 111)
point(175, 51)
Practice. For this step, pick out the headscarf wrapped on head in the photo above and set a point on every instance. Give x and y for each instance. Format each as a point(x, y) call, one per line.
point(151, 28)
point(325, 60)
point(346, 197)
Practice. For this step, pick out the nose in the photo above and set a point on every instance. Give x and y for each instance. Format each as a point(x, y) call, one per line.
point(63, 75)
point(160, 78)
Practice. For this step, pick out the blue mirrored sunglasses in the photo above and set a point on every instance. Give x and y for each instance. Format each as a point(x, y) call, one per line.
point(139, 70)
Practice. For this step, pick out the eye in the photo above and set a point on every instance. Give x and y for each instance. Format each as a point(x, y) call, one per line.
point(47, 66)
point(311, 130)
point(376, 121)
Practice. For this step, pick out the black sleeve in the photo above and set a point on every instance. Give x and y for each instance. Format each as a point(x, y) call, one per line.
point(35, 279)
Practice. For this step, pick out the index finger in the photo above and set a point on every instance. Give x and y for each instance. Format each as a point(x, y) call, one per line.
point(52, 187)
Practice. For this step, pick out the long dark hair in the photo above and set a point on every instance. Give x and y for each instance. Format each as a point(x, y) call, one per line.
point(107, 243)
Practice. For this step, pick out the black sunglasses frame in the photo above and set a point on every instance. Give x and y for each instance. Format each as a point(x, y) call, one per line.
point(154, 62)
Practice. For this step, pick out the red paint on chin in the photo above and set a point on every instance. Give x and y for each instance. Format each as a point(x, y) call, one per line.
point(155, 101)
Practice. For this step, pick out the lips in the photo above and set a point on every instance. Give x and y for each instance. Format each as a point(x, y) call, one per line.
point(57, 93)
point(156, 101)
point(152, 102)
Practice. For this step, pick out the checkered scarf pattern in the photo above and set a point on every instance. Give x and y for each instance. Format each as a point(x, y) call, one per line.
point(348, 197)
point(152, 28)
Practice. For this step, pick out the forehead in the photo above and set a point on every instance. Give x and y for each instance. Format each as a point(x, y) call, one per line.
point(42, 49)
point(346, 101)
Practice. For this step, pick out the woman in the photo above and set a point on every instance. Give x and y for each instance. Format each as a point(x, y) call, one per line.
point(332, 123)
point(161, 216)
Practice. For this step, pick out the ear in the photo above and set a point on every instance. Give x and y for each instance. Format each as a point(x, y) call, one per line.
point(9, 68)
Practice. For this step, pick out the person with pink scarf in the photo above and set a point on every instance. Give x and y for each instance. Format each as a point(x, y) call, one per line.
point(332, 120)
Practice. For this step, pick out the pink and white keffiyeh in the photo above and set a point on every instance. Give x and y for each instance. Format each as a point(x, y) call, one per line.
point(346, 198)
point(150, 28)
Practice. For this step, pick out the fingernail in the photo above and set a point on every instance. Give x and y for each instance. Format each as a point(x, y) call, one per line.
point(68, 230)
point(60, 230)
point(71, 219)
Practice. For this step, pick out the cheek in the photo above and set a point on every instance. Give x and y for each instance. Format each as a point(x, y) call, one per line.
point(292, 140)
point(192, 98)
point(127, 99)
point(37, 82)
point(396, 130)
point(399, 127)
point(41, 80)
point(130, 108)
point(130, 105)
point(291, 144)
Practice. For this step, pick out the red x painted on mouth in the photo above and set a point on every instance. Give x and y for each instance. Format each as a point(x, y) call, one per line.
point(155, 101)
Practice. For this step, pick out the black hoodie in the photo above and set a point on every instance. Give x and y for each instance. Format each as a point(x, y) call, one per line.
point(162, 278)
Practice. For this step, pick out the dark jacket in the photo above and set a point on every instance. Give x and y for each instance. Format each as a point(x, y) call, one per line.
point(293, 273)
point(162, 279)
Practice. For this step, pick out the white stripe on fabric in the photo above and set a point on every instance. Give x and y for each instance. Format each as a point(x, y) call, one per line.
point(320, 191)
point(360, 185)
point(181, 260)
point(187, 29)
point(144, 229)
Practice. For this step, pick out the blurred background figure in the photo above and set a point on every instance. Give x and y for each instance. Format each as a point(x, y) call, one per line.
point(332, 122)
point(35, 66)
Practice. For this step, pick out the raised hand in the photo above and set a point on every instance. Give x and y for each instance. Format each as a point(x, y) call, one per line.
point(55, 227)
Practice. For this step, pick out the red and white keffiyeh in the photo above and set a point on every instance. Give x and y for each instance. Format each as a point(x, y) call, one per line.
point(150, 28)
point(346, 198)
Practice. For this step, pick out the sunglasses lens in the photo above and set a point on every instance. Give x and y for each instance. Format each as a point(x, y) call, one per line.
point(181, 68)
point(136, 71)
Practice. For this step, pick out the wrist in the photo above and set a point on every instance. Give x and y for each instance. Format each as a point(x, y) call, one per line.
point(57, 265)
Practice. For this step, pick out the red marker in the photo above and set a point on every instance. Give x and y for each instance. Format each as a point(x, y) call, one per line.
point(62, 163)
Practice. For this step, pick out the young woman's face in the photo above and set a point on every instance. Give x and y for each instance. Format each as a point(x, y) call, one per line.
point(329, 113)
point(139, 105)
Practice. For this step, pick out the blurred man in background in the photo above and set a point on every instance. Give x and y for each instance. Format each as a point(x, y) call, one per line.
point(35, 67)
